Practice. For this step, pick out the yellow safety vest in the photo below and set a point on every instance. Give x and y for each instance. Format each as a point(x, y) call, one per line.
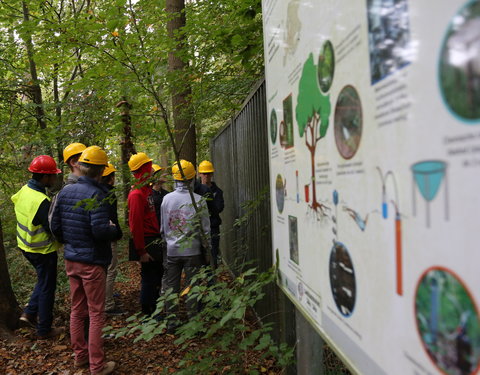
point(31, 238)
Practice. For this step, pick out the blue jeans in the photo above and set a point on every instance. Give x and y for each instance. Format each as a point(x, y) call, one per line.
point(43, 295)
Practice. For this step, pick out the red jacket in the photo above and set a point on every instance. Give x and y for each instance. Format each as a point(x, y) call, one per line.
point(142, 217)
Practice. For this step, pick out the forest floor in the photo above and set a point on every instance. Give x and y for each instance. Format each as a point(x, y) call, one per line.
point(26, 355)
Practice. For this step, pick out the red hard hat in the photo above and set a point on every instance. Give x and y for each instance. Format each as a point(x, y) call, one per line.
point(44, 164)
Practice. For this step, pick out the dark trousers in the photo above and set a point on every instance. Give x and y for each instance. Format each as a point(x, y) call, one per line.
point(215, 241)
point(151, 273)
point(175, 266)
point(43, 295)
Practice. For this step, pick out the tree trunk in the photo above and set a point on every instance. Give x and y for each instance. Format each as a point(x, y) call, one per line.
point(312, 126)
point(58, 109)
point(127, 146)
point(9, 309)
point(35, 89)
point(185, 132)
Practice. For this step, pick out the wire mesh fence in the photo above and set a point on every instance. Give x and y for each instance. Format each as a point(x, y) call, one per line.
point(240, 155)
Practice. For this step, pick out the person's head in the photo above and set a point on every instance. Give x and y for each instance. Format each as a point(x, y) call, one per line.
point(71, 154)
point(141, 166)
point(108, 176)
point(158, 177)
point(92, 162)
point(44, 170)
point(188, 171)
point(205, 170)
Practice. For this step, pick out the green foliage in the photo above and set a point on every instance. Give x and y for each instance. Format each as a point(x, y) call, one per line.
point(225, 323)
point(90, 55)
point(311, 102)
point(226, 57)
point(122, 52)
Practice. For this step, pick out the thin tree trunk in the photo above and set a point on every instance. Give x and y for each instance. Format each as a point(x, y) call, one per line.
point(35, 86)
point(58, 109)
point(9, 309)
point(185, 132)
point(127, 146)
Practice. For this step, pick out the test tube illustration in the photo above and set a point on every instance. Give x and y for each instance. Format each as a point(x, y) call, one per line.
point(398, 226)
point(398, 252)
point(384, 203)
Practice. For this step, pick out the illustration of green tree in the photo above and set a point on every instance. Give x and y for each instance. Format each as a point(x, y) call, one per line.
point(312, 113)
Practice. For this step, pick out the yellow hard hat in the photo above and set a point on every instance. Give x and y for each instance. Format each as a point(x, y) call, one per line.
point(137, 160)
point(94, 155)
point(73, 149)
point(110, 169)
point(205, 167)
point(156, 168)
point(188, 171)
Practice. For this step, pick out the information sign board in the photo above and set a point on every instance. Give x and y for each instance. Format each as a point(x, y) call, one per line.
point(374, 144)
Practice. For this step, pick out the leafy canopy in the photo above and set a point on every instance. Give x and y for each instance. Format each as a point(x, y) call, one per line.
point(310, 101)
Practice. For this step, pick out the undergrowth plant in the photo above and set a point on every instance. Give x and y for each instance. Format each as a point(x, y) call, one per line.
point(225, 323)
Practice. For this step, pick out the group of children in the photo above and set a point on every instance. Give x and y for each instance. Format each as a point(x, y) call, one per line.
point(165, 238)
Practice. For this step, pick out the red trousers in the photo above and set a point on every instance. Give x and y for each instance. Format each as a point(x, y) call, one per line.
point(87, 295)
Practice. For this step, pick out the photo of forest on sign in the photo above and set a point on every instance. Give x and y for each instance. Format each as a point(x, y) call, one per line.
point(448, 322)
point(459, 68)
point(388, 37)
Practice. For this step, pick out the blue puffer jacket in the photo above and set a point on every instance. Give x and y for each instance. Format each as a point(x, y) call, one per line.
point(85, 230)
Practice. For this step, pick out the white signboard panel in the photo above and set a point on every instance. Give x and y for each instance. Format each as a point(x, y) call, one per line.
point(374, 123)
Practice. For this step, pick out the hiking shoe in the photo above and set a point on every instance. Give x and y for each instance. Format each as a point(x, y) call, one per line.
point(116, 311)
point(28, 320)
point(54, 332)
point(81, 363)
point(107, 369)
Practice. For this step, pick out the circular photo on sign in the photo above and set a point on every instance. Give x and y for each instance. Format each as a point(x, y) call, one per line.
point(348, 122)
point(447, 322)
point(326, 66)
point(280, 193)
point(273, 126)
point(459, 67)
point(342, 279)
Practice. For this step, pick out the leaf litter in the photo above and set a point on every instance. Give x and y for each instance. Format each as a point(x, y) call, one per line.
point(28, 356)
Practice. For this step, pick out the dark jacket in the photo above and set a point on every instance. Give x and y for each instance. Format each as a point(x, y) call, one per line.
point(85, 230)
point(111, 202)
point(215, 202)
point(157, 201)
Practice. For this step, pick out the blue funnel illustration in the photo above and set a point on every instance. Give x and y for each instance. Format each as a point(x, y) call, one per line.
point(428, 175)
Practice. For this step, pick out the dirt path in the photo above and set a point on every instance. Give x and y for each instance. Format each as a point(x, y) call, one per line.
point(28, 356)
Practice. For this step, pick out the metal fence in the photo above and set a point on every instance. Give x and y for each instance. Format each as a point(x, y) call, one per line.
point(240, 155)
